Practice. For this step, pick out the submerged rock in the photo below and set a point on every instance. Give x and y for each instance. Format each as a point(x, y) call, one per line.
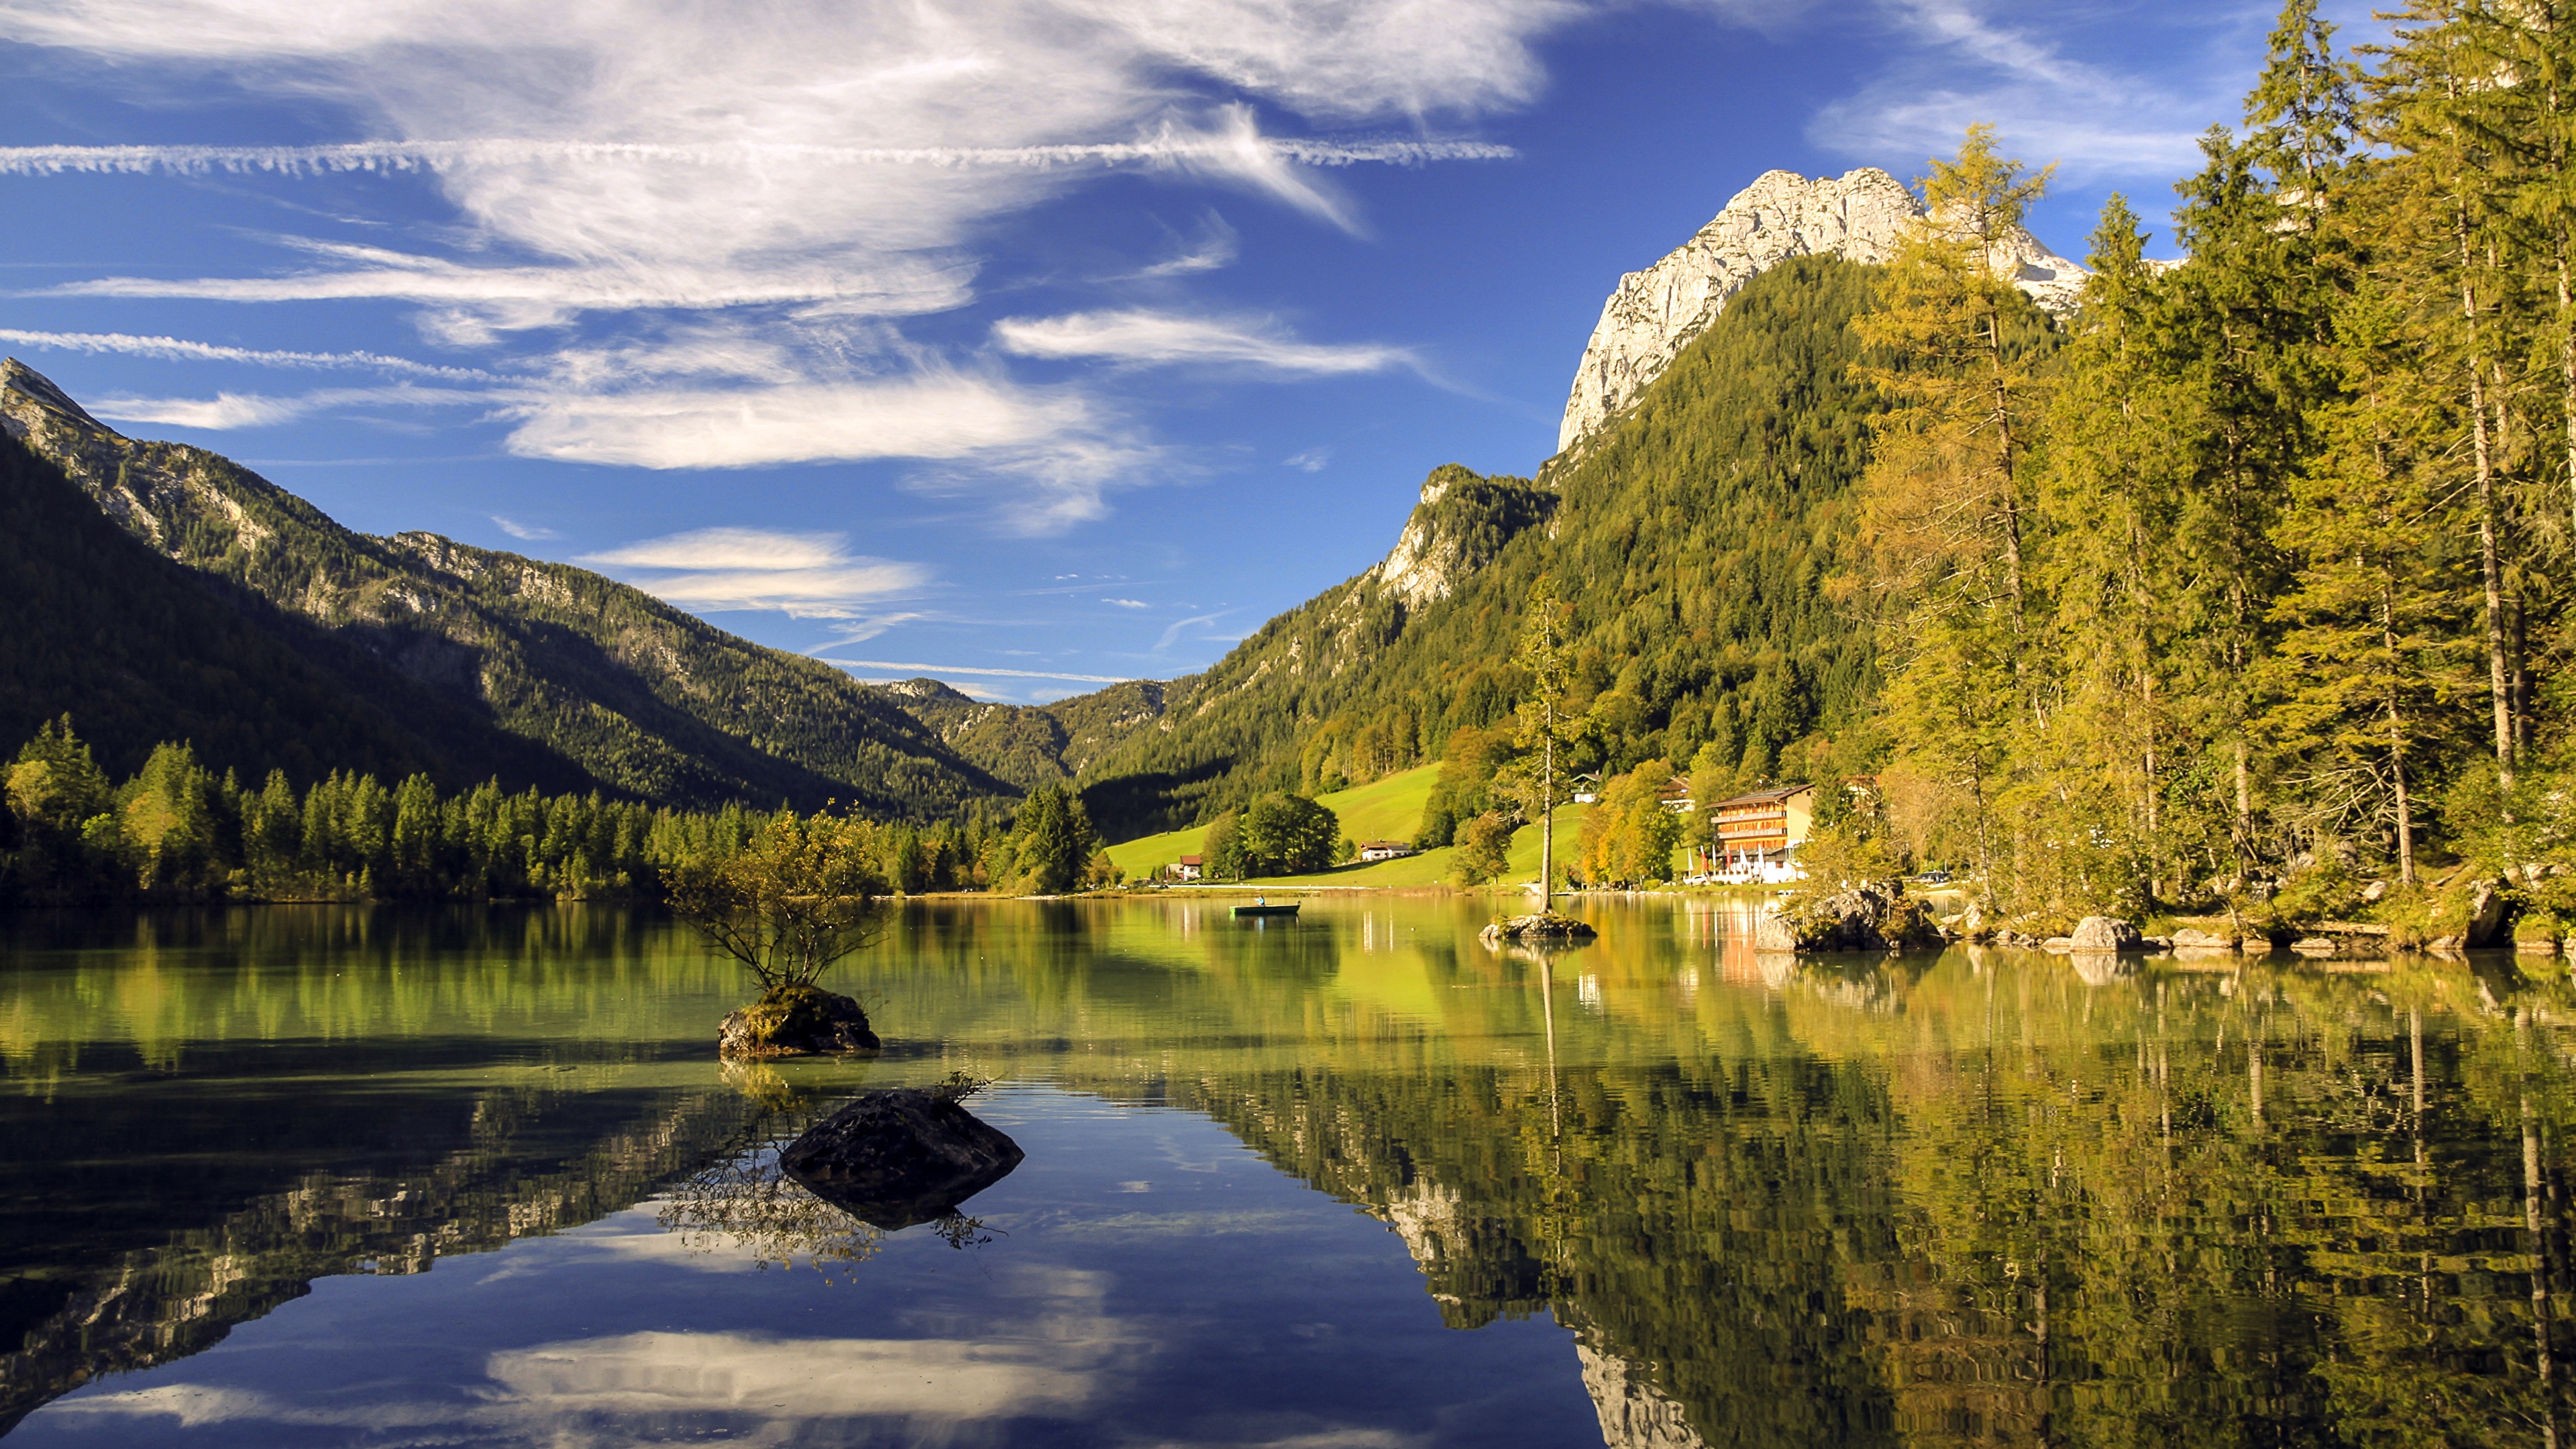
point(795, 1021)
point(1545, 926)
point(900, 1157)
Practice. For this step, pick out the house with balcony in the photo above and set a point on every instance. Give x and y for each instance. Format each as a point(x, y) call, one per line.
point(1758, 834)
point(1385, 849)
point(1191, 867)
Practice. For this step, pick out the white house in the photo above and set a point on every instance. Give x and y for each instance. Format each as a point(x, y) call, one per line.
point(1384, 849)
point(1192, 867)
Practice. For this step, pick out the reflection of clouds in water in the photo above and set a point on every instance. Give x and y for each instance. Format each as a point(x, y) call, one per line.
point(777, 1379)
point(1043, 1353)
point(1192, 1225)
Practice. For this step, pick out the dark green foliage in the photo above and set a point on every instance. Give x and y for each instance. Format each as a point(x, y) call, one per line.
point(1693, 538)
point(1055, 840)
point(1030, 745)
point(1283, 834)
point(144, 650)
point(418, 653)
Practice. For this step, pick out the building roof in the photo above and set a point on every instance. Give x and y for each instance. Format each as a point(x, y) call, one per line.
point(1776, 795)
point(1193, 860)
point(1386, 845)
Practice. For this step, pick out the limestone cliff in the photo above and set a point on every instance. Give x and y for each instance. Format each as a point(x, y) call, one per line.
point(1859, 215)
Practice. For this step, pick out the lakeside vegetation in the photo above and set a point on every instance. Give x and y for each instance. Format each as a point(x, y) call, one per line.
point(178, 831)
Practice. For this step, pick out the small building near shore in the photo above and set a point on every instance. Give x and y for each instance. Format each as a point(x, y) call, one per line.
point(1759, 833)
point(1587, 788)
point(1191, 867)
point(1384, 849)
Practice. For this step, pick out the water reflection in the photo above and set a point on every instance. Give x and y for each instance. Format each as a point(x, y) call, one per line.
point(1989, 1197)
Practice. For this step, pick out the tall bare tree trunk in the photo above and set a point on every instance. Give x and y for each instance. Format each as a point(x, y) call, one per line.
point(2397, 735)
point(2499, 686)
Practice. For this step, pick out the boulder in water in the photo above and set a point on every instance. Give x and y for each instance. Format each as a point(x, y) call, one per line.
point(1870, 916)
point(792, 1021)
point(900, 1157)
point(2105, 933)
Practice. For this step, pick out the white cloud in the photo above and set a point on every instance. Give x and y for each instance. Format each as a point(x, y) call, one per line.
point(2095, 120)
point(929, 416)
point(1165, 338)
point(222, 411)
point(1216, 246)
point(175, 349)
point(252, 410)
point(1197, 628)
point(1313, 460)
point(1128, 603)
point(620, 161)
point(527, 531)
point(804, 575)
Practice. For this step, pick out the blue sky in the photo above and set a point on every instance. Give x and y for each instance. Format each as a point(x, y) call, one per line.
point(1024, 343)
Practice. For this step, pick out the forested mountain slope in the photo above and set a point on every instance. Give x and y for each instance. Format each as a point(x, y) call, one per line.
point(1030, 744)
point(1694, 539)
point(141, 650)
point(468, 647)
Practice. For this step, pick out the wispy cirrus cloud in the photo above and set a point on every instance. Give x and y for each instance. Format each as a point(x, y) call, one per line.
point(615, 163)
point(1163, 338)
point(174, 349)
point(229, 410)
point(928, 416)
point(1970, 62)
point(803, 575)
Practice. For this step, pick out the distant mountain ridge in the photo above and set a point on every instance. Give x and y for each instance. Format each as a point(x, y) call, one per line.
point(473, 662)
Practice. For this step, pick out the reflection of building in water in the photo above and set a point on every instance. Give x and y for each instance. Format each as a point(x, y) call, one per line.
point(1634, 1413)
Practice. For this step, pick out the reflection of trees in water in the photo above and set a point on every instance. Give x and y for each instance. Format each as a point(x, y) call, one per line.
point(740, 1201)
point(1978, 1200)
point(511, 1177)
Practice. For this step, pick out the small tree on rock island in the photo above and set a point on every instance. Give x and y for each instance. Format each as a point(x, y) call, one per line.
point(800, 896)
point(1547, 722)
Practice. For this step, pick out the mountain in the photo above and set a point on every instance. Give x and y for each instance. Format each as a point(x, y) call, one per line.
point(1858, 216)
point(1693, 537)
point(139, 650)
point(1030, 745)
point(252, 623)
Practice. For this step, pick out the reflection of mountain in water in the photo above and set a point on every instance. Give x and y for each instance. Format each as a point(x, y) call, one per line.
point(209, 1111)
point(1984, 1200)
point(509, 1177)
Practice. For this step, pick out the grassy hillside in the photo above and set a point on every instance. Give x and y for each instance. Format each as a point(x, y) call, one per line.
point(635, 696)
point(1693, 536)
point(1381, 801)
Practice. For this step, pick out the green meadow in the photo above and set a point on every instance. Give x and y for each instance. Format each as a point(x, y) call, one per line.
point(1388, 809)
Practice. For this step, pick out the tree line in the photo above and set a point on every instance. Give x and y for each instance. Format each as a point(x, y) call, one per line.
point(177, 831)
point(2251, 582)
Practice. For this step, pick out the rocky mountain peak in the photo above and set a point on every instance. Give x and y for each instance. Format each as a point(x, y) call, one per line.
point(29, 401)
point(1859, 216)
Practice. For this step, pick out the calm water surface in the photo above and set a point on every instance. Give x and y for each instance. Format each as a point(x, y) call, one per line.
point(311, 1176)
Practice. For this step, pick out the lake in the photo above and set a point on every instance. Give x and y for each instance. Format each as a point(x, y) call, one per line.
point(326, 1176)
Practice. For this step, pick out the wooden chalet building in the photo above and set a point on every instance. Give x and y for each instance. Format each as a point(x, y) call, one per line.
point(1764, 828)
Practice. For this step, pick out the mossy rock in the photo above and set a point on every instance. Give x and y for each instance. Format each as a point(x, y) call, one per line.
point(792, 1021)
